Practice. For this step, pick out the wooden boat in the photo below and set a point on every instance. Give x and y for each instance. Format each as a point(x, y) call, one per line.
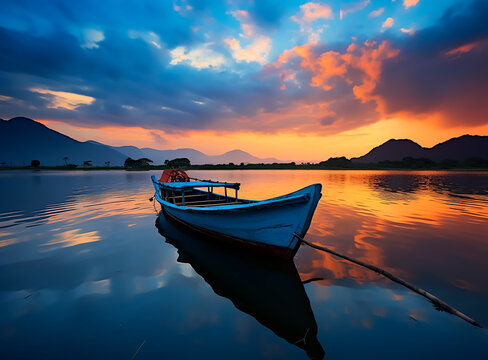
point(268, 289)
point(267, 225)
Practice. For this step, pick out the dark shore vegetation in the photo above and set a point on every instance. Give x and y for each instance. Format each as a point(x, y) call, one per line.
point(340, 163)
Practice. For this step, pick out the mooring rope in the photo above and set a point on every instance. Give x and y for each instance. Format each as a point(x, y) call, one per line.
point(438, 303)
point(152, 199)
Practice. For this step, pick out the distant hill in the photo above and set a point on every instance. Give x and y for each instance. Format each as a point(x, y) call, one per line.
point(196, 157)
point(460, 149)
point(128, 151)
point(23, 140)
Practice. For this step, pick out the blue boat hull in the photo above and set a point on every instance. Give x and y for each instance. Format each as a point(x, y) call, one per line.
point(267, 225)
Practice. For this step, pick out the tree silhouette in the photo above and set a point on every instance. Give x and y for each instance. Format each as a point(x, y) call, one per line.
point(179, 162)
point(87, 163)
point(35, 163)
point(107, 163)
point(142, 162)
point(66, 160)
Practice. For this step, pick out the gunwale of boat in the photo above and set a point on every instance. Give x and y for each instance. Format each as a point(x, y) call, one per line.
point(222, 202)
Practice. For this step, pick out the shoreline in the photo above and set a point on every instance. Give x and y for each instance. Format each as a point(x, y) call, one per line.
point(245, 167)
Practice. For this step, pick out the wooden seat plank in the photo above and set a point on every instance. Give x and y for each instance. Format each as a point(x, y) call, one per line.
point(219, 204)
point(201, 202)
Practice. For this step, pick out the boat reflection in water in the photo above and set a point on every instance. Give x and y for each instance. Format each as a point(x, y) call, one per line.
point(270, 290)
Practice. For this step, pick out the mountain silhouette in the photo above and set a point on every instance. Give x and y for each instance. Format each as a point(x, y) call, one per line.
point(23, 139)
point(459, 149)
point(195, 156)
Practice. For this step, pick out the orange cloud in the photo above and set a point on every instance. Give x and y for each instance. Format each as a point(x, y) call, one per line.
point(62, 99)
point(370, 61)
point(388, 23)
point(464, 48)
point(311, 12)
point(409, 3)
point(409, 31)
point(376, 13)
point(339, 85)
point(325, 66)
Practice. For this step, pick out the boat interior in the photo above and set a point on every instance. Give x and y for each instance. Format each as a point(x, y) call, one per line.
point(199, 198)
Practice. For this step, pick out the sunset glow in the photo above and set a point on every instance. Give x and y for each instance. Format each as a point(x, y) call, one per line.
point(303, 81)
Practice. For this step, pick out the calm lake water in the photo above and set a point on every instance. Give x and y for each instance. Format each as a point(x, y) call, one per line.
point(84, 272)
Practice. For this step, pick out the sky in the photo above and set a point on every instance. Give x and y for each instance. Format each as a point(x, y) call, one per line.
point(295, 80)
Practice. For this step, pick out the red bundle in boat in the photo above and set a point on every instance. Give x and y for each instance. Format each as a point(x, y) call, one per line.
point(174, 175)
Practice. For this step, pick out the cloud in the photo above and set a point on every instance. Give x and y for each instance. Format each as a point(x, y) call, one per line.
point(441, 70)
point(148, 36)
point(349, 8)
point(157, 138)
point(258, 46)
point(10, 99)
point(62, 99)
point(388, 23)
point(200, 58)
point(459, 50)
point(257, 51)
point(91, 38)
point(336, 85)
point(376, 13)
point(318, 87)
point(311, 12)
point(240, 15)
point(160, 93)
point(409, 3)
point(409, 31)
point(6, 98)
point(182, 7)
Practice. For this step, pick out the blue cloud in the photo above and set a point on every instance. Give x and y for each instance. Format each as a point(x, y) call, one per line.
point(433, 74)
